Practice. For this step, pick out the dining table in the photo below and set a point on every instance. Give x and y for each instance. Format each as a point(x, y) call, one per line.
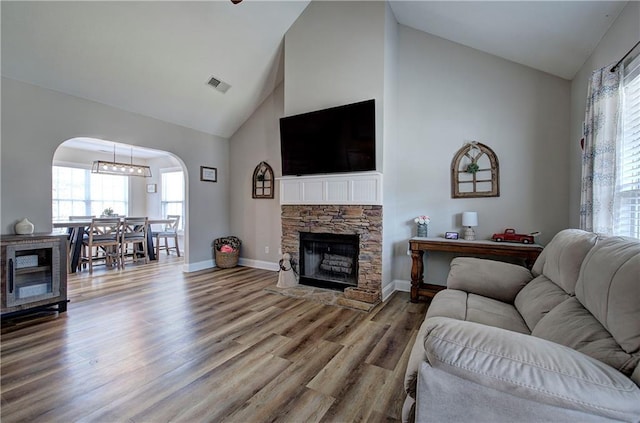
point(77, 228)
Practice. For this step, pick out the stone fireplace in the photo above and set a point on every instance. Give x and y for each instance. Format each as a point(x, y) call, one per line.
point(363, 221)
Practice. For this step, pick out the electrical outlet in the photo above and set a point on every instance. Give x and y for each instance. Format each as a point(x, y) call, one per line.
point(279, 251)
point(266, 250)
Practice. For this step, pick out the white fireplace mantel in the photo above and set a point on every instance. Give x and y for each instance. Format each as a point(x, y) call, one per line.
point(362, 188)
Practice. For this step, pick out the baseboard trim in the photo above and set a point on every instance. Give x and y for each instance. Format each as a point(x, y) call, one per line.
point(259, 264)
point(393, 286)
point(402, 285)
point(201, 265)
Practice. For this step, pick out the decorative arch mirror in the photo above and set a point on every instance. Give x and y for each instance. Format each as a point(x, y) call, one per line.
point(263, 181)
point(475, 172)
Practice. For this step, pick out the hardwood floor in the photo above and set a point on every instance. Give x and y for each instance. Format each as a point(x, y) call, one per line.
point(153, 344)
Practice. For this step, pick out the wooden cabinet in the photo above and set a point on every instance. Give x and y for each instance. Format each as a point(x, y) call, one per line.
point(34, 272)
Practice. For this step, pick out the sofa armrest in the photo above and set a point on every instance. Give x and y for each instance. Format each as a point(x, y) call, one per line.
point(530, 368)
point(494, 279)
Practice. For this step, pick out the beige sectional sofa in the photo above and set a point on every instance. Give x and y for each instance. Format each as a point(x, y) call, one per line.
point(559, 343)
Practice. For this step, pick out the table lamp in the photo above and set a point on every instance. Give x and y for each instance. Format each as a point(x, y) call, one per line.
point(469, 219)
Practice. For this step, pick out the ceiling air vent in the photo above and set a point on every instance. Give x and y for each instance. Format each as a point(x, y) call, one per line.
point(219, 85)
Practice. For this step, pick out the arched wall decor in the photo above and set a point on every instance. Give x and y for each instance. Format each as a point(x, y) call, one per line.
point(263, 181)
point(475, 172)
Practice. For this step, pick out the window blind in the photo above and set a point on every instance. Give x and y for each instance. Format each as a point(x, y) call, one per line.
point(628, 209)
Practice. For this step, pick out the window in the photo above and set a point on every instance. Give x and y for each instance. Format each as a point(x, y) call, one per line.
point(628, 187)
point(172, 201)
point(78, 192)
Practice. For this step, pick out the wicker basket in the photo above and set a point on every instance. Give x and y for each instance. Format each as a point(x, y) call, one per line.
point(226, 260)
point(370, 296)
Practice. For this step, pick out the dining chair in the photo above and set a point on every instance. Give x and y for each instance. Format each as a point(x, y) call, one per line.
point(134, 239)
point(103, 242)
point(170, 231)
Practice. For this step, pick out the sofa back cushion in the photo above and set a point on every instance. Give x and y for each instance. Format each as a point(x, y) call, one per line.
point(609, 288)
point(538, 298)
point(561, 259)
point(572, 325)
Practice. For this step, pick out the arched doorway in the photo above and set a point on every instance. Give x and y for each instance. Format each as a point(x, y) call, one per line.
point(77, 191)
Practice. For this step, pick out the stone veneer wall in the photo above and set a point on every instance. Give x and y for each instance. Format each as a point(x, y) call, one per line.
point(365, 221)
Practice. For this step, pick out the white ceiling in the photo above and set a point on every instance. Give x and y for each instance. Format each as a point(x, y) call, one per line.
point(555, 37)
point(154, 58)
point(122, 151)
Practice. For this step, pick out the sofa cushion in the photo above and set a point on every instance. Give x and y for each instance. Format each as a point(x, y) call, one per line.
point(495, 313)
point(572, 325)
point(537, 298)
point(530, 368)
point(493, 279)
point(561, 259)
point(460, 305)
point(609, 287)
point(448, 303)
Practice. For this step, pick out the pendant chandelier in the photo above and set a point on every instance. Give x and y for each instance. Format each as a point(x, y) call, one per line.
point(115, 168)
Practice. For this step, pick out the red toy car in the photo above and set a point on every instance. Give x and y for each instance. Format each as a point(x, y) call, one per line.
point(510, 235)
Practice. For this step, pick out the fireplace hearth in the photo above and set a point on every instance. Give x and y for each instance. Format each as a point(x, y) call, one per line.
point(329, 260)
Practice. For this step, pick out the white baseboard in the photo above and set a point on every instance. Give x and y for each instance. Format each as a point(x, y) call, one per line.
point(259, 264)
point(403, 286)
point(393, 286)
point(388, 290)
point(201, 265)
point(210, 264)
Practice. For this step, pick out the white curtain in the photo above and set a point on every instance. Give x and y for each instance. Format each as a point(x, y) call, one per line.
point(599, 159)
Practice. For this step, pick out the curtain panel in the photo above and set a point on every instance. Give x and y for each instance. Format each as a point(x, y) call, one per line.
point(599, 159)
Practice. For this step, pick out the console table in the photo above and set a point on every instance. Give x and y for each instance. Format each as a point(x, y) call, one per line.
point(418, 245)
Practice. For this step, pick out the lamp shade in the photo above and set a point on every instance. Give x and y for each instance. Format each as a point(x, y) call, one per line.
point(469, 219)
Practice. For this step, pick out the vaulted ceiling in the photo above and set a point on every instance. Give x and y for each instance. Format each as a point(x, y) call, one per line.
point(155, 58)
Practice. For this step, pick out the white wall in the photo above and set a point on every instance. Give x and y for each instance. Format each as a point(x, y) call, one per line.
point(334, 55)
point(35, 121)
point(257, 221)
point(621, 36)
point(449, 94)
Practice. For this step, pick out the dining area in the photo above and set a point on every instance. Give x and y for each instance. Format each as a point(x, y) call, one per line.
point(113, 241)
point(117, 211)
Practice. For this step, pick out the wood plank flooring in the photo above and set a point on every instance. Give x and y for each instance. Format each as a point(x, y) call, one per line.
point(153, 344)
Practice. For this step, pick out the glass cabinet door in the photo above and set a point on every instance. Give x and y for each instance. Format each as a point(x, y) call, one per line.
point(32, 272)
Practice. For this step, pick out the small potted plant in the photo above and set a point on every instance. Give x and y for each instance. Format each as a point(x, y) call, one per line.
point(108, 212)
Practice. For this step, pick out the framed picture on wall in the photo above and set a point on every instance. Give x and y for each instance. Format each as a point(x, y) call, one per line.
point(152, 188)
point(208, 174)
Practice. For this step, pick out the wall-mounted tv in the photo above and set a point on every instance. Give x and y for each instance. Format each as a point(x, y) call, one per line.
point(335, 140)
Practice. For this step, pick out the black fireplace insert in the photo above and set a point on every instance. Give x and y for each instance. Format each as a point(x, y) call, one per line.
point(329, 260)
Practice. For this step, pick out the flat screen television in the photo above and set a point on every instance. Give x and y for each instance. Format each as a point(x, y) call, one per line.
point(335, 140)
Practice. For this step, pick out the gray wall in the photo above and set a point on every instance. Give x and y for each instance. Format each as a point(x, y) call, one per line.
point(432, 96)
point(257, 221)
point(35, 121)
point(449, 94)
point(622, 35)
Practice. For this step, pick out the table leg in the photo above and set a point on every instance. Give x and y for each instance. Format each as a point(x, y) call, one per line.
point(417, 273)
point(76, 247)
point(150, 250)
